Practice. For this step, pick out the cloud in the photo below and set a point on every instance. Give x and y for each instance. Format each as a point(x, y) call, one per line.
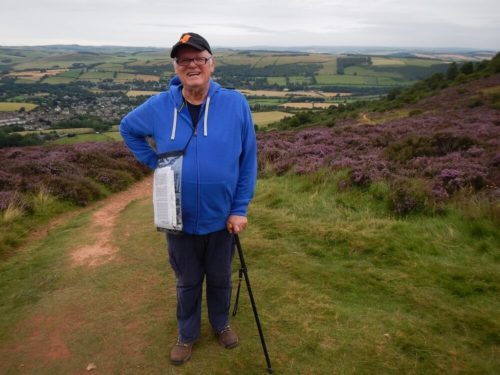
point(260, 22)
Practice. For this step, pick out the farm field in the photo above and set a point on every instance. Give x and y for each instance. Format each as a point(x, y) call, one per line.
point(37, 74)
point(265, 118)
point(55, 80)
point(307, 105)
point(286, 94)
point(58, 131)
point(11, 106)
point(141, 93)
point(90, 137)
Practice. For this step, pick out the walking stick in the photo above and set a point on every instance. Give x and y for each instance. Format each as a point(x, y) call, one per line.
point(243, 271)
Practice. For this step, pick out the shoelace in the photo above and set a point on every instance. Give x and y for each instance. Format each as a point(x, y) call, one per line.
point(225, 329)
point(179, 343)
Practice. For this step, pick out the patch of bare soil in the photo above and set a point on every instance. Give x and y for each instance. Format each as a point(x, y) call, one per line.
point(101, 250)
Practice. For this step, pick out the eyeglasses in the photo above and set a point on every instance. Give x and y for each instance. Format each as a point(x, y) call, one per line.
point(197, 60)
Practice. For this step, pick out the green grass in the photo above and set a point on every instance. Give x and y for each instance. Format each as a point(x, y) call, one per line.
point(73, 73)
point(14, 230)
point(281, 81)
point(14, 106)
point(58, 131)
point(102, 137)
point(55, 80)
point(341, 285)
point(363, 71)
point(342, 80)
point(96, 76)
point(267, 101)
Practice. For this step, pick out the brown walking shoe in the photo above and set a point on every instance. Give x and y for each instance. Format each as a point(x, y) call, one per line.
point(227, 338)
point(180, 352)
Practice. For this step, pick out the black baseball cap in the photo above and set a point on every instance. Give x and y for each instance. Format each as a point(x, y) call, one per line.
point(193, 40)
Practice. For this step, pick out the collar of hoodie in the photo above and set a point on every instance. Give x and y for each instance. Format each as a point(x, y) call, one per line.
point(205, 119)
point(179, 100)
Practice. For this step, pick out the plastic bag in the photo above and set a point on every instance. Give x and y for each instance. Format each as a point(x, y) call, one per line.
point(167, 192)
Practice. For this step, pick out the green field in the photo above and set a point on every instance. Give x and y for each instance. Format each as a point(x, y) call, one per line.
point(344, 80)
point(57, 80)
point(11, 106)
point(59, 131)
point(72, 73)
point(91, 137)
point(267, 101)
point(276, 80)
point(96, 76)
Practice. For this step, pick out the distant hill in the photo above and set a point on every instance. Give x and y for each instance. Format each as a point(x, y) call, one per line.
point(356, 70)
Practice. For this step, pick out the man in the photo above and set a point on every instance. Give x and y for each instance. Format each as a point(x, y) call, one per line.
point(214, 126)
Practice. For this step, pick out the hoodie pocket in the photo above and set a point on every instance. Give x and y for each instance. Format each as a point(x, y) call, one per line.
point(215, 202)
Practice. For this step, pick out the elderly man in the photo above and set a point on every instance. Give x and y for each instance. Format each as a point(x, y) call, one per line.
point(214, 127)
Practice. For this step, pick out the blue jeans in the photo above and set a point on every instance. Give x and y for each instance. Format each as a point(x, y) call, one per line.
point(193, 257)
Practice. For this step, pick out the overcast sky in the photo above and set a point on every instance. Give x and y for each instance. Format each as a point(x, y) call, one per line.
point(244, 23)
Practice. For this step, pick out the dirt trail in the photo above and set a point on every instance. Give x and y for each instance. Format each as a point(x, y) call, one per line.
point(48, 333)
point(101, 250)
point(367, 120)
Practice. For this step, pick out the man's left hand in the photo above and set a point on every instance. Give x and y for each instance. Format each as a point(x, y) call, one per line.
point(236, 224)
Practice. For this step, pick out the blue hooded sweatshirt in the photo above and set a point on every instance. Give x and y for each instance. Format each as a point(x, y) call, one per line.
point(220, 163)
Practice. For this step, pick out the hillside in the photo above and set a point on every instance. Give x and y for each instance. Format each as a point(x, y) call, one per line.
point(425, 151)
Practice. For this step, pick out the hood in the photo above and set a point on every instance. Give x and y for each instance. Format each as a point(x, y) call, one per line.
point(175, 91)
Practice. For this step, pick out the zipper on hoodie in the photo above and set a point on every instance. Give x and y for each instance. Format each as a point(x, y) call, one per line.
point(198, 190)
point(197, 182)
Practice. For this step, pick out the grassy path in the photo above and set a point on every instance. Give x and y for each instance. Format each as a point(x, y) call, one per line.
point(342, 287)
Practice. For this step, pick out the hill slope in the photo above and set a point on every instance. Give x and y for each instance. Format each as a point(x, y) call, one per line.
point(446, 143)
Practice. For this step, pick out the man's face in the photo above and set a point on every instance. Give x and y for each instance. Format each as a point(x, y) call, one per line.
point(194, 76)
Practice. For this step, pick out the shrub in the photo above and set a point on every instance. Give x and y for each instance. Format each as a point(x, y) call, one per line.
point(379, 190)
point(475, 102)
point(407, 196)
point(436, 145)
point(76, 189)
point(115, 180)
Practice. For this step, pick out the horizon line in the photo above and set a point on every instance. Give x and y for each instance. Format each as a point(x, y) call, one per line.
point(253, 47)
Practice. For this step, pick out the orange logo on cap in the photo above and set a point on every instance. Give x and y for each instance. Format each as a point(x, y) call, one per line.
point(185, 38)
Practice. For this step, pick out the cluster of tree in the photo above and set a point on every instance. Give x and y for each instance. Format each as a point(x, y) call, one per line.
point(412, 73)
point(281, 70)
point(84, 122)
point(345, 62)
point(150, 69)
point(9, 89)
point(18, 140)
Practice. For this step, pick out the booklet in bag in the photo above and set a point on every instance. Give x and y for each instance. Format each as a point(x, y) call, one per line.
point(167, 194)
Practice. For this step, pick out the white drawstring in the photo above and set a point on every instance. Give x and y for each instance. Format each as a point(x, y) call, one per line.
point(205, 121)
point(174, 127)
point(205, 126)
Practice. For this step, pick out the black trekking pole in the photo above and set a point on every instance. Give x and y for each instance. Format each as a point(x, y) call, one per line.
point(243, 271)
